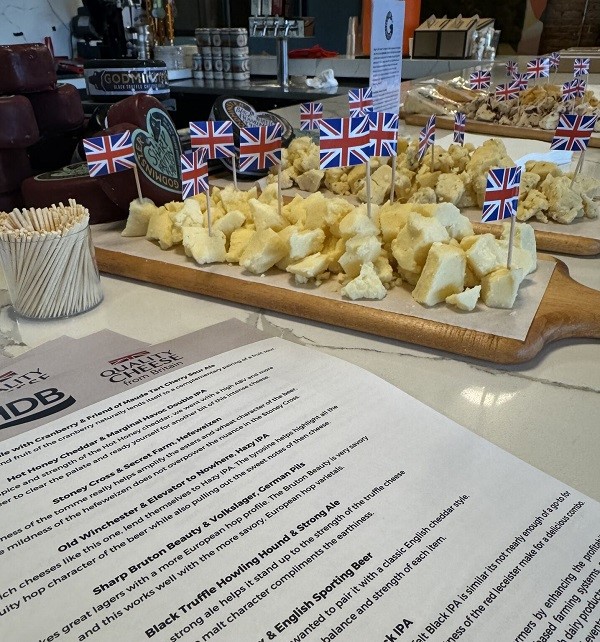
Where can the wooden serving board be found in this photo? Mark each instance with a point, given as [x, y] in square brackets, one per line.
[493, 129]
[568, 309]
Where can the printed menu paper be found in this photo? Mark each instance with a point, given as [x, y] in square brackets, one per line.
[271, 492]
[387, 28]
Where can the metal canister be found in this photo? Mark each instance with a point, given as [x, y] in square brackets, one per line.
[240, 51]
[227, 70]
[197, 67]
[240, 67]
[207, 67]
[217, 63]
[215, 37]
[226, 41]
[238, 37]
[202, 37]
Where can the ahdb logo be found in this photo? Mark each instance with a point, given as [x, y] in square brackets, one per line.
[39, 405]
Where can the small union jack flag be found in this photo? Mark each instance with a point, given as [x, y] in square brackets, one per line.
[579, 86]
[360, 101]
[569, 91]
[508, 91]
[426, 136]
[554, 59]
[573, 132]
[260, 147]
[344, 141]
[383, 133]
[538, 68]
[520, 81]
[460, 123]
[109, 154]
[512, 68]
[310, 115]
[501, 193]
[215, 137]
[480, 80]
[194, 173]
[581, 66]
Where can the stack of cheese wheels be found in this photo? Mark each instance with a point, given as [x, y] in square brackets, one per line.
[48, 261]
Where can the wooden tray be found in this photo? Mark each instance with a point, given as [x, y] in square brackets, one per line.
[568, 309]
[493, 129]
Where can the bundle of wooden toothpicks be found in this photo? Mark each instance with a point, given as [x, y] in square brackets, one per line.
[48, 261]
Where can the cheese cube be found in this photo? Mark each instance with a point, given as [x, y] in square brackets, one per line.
[269, 195]
[237, 243]
[466, 300]
[357, 223]
[499, 288]
[203, 247]
[359, 250]
[303, 243]
[383, 268]
[412, 244]
[337, 208]
[310, 181]
[160, 228]
[309, 267]
[295, 211]
[264, 249]
[457, 225]
[366, 285]
[139, 217]
[392, 218]
[449, 189]
[443, 274]
[482, 254]
[524, 238]
[266, 216]
[316, 211]
[231, 221]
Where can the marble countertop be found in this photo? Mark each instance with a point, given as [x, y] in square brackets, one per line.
[545, 412]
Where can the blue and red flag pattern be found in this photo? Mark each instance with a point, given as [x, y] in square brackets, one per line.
[344, 141]
[310, 115]
[508, 91]
[538, 68]
[194, 173]
[480, 80]
[581, 66]
[383, 133]
[512, 68]
[109, 154]
[573, 132]
[426, 137]
[460, 123]
[360, 101]
[260, 147]
[569, 91]
[501, 193]
[215, 137]
[554, 59]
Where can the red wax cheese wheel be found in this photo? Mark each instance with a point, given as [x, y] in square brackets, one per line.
[9, 201]
[26, 68]
[14, 168]
[74, 182]
[57, 110]
[18, 127]
[132, 110]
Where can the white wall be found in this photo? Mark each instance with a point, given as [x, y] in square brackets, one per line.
[36, 19]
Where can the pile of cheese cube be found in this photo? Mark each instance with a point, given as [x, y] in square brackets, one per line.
[455, 175]
[429, 247]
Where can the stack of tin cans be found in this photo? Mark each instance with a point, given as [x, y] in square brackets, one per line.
[222, 55]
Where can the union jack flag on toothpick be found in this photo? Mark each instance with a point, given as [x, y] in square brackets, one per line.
[215, 137]
[480, 80]
[426, 137]
[554, 59]
[360, 101]
[194, 173]
[573, 132]
[508, 91]
[512, 68]
[538, 68]
[581, 66]
[501, 193]
[569, 91]
[579, 86]
[344, 141]
[521, 81]
[460, 123]
[310, 115]
[109, 154]
[260, 147]
[383, 133]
